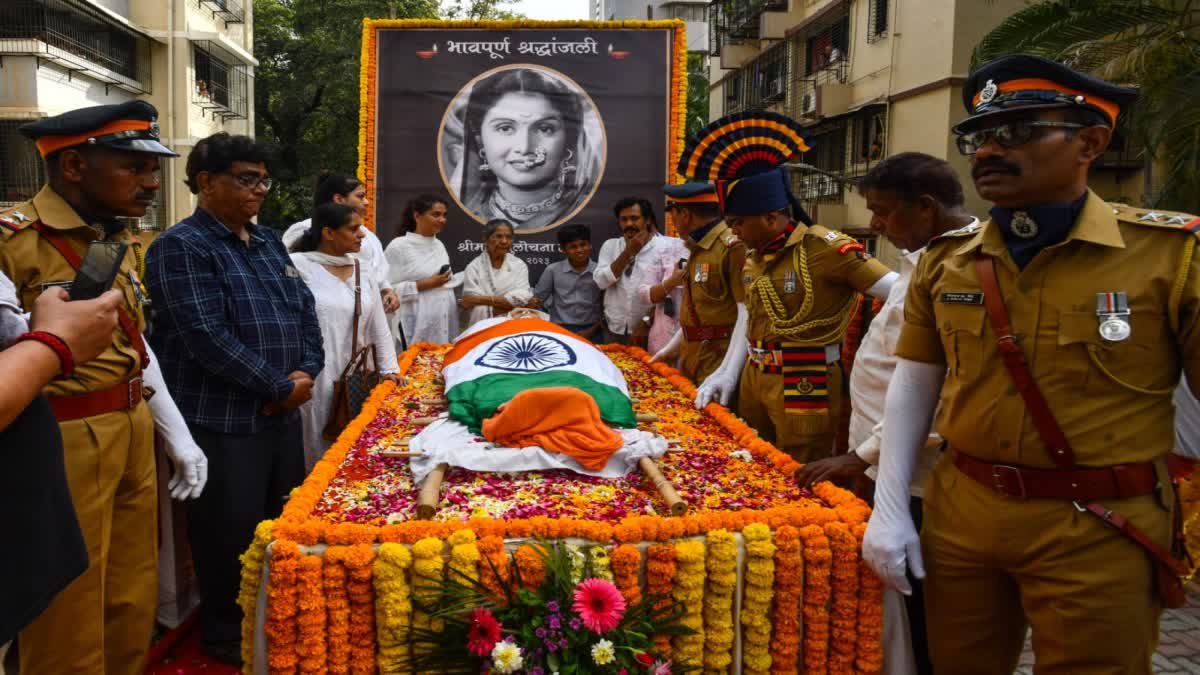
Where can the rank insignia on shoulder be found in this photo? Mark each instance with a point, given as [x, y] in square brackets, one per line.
[730, 239]
[851, 246]
[1172, 220]
[832, 235]
[960, 232]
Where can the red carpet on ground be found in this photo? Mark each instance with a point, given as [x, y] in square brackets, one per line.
[179, 653]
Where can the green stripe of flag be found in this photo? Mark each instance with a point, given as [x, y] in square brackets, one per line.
[473, 401]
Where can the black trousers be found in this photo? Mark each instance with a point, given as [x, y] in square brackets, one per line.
[249, 476]
[915, 604]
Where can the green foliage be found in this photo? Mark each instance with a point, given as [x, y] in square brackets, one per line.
[697, 94]
[480, 10]
[1154, 44]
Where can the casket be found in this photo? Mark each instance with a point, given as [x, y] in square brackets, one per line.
[769, 575]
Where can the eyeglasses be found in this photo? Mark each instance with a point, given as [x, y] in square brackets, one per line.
[251, 180]
[1007, 135]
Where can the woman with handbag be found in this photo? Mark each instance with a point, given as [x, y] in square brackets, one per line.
[358, 346]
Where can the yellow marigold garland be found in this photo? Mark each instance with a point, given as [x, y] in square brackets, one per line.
[870, 614]
[718, 600]
[311, 618]
[393, 605]
[601, 561]
[689, 594]
[464, 556]
[758, 592]
[359, 560]
[789, 569]
[281, 626]
[252, 568]
[844, 608]
[428, 566]
[337, 607]
[660, 578]
[626, 566]
[818, 562]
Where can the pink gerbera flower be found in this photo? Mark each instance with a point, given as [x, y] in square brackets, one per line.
[599, 604]
[484, 632]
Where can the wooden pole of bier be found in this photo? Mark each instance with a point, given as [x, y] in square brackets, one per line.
[431, 492]
[664, 486]
[647, 417]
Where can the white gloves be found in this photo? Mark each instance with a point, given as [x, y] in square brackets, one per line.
[671, 348]
[721, 384]
[891, 545]
[883, 287]
[191, 466]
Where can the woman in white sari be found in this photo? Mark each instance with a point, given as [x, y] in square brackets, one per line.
[496, 281]
[322, 257]
[421, 274]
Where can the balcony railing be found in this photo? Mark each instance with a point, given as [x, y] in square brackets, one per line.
[77, 37]
[229, 11]
[222, 85]
[736, 20]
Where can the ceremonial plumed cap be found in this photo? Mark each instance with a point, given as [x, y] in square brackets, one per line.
[691, 193]
[131, 126]
[1028, 82]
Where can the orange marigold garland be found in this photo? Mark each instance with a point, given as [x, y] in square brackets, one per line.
[660, 578]
[818, 562]
[758, 592]
[311, 619]
[281, 626]
[718, 600]
[870, 614]
[530, 565]
[393, 605]
[626, 567]
[359, 559]
[689, 595]
[337, 606]
[789, 569]
[494, 572]
[844, 608]
[252, 570]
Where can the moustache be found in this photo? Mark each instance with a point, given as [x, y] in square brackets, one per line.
[995, 164]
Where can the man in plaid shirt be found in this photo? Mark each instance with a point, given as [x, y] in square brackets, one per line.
[236, 331]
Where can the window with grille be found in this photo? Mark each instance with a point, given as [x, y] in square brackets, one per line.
[877, 20]
[829, 47]
[870, 127]
[222, 85]
[770, 73]
[21, 171]
[828, 142]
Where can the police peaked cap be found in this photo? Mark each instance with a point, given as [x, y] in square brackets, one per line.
[691, 193]
[1028, 82]
[131, 126]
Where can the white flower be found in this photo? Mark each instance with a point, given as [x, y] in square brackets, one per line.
[506, 657]
[603, 653]
[742, 454]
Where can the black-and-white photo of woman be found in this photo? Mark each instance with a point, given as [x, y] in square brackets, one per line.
[525, 144]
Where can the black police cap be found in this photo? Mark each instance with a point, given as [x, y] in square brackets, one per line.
[131, 126]
[694, 192]
[1028, 82]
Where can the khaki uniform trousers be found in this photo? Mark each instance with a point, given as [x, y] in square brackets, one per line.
[995, 565]
[805, 437]
[698, 360]
[102, 622]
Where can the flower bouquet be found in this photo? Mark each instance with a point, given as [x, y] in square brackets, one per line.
[571, 621]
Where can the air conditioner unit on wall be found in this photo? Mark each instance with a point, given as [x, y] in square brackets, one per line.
[808, 103]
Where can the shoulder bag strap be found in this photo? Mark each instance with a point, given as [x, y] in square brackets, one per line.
[75, 261]
[357, 309]
[1018, 368]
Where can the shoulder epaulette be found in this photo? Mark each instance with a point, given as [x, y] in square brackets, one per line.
[828, 235]
[730, 240]
[960, 232]
[1172, 220]
[14, 220]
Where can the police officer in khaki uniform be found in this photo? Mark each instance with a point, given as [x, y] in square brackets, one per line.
[714, 296]
[101, 165]
[1095, 309]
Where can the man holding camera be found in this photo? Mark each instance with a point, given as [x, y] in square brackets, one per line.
[101, 167]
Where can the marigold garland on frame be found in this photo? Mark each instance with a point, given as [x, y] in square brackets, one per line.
[844, 607]
[718, 600]
[758, 593]
[789, 568]
[393, 604]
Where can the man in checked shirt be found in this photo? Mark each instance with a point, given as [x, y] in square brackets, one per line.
[237, 330]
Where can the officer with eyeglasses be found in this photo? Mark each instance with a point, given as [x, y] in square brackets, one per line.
[1051, 340]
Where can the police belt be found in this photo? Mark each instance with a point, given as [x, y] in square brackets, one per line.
[124, 396]
[702, 333]
[1120, 481]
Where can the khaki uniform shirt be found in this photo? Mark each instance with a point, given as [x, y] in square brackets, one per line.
[713, 284]
[34, 265]
[814, 277]
[1112, 399]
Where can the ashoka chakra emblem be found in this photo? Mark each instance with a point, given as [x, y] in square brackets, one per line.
[527, 354]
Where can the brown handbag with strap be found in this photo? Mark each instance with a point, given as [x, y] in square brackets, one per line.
[1170, 565]
[357, 379]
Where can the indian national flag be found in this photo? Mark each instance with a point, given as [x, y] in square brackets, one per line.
[496, 359]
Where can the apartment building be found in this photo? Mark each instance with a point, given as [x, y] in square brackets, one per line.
[192, 59]
[694, 12]
[868, 78]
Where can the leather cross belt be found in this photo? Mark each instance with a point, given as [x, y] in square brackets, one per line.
[702, 333]
[124, 396]
[1120, 481]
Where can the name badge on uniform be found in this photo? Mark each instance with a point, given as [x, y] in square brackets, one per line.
[65, 285]
[290, 271]
[961, 298]
[1112, 311]
[789, 281]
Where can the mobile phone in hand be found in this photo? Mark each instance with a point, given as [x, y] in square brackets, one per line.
[682, 263]
[100, 266]
[445, 269]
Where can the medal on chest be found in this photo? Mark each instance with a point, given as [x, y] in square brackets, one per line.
[1112, 311]
[1023, 225]
[701, 274]
[789, 281]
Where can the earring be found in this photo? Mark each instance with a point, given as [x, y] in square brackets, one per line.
[483, 163]
[566, 166]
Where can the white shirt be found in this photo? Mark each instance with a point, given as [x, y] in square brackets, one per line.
[873, 367]
[1187, 421]
[622, 308]
[371, 254]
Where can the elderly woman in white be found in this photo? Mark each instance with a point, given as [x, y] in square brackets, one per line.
[496, 281]
[322, 256]
[421, 274]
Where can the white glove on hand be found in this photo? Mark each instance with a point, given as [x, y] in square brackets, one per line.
[191, 466]
[671, 348]
[891, 545]
[723, 381]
